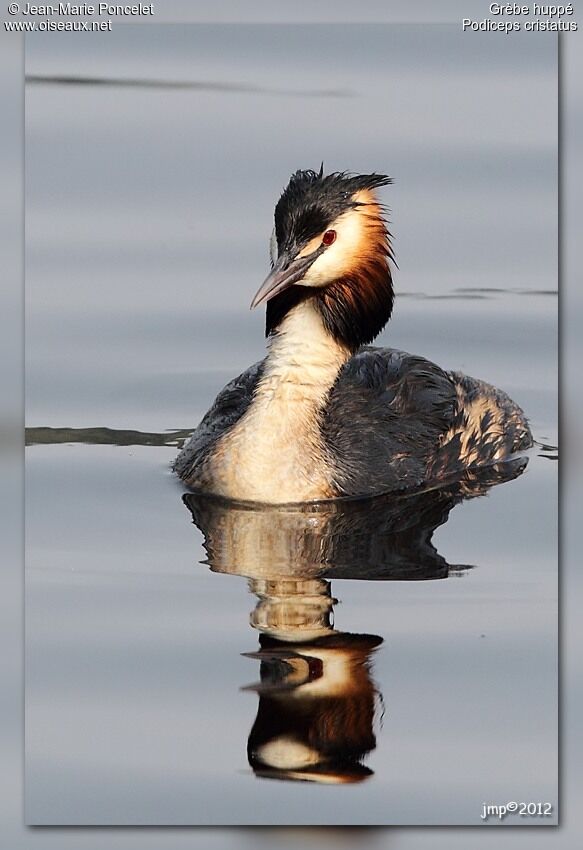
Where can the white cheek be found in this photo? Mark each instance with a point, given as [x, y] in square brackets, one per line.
[326, 268]
[339, 258]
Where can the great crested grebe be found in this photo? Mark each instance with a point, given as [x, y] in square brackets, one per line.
[323, 416]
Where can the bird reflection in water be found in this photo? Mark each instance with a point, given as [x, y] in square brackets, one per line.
[317, 697]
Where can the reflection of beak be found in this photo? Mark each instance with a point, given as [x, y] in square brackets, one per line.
[284, 274]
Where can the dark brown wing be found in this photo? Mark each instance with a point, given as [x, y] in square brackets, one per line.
[396, 421]
[386, 416]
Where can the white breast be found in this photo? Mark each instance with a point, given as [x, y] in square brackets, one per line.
[275, 453]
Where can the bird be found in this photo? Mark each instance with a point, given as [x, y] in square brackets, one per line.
[324, 415]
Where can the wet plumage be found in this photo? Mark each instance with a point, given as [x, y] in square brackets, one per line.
[324, 415]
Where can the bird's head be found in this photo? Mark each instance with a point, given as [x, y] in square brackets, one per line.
[330, 243]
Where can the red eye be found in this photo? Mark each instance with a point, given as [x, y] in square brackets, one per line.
[329, 237]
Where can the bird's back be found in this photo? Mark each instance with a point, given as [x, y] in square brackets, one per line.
[395, 421]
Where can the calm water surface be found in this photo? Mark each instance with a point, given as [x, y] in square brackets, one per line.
[190, 662]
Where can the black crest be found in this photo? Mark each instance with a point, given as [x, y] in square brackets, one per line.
[312, 200]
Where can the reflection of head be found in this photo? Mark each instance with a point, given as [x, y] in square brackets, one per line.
[317, 701]
[315, 719]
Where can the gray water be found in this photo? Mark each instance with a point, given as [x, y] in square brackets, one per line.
[149, 209]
